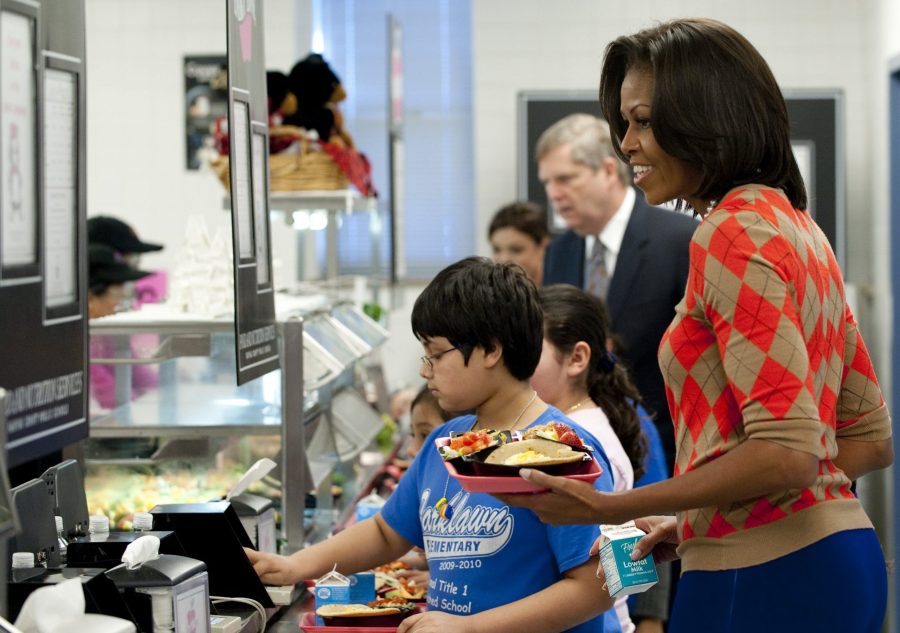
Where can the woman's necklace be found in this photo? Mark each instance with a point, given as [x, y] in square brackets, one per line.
[577, 405]
[443, 507]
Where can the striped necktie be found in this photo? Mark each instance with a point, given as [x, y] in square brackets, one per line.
[597, 282]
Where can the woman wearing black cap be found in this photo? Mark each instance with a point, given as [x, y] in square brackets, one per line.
[120, 237]
[106, 280]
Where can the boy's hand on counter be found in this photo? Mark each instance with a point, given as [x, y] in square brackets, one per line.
[436, 622]
[272, 569]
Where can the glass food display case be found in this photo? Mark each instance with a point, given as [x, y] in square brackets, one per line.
[169, 424]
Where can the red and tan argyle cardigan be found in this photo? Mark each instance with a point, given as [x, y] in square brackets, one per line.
[763, 345]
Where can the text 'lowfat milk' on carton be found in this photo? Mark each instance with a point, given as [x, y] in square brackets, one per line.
[623, 575]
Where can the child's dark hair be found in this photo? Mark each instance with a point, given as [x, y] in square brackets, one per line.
[572, 315]
[425, 397]
[477, 303]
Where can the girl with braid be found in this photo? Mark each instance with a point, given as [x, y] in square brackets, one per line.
[579, 376]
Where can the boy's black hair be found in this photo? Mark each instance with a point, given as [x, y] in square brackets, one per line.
[477, 303]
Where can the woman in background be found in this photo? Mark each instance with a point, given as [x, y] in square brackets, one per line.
[518, 233]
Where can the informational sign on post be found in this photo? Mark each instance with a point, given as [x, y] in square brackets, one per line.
[18, 191]
[254, 301]
[60, 187]
[43, 328]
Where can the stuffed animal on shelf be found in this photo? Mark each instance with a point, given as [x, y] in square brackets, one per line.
[318, 91]
[309, 149]
[282, 103]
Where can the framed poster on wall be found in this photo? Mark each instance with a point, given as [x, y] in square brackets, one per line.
[205, 101]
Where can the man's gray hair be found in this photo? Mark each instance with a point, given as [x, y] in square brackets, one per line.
[587, 136]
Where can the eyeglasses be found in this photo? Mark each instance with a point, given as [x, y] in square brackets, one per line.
[429, 360]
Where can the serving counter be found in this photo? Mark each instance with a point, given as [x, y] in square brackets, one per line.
[169, 424]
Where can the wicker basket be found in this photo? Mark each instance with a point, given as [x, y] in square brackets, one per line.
[308, 170]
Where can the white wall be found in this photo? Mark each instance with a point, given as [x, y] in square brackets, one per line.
[135, 113]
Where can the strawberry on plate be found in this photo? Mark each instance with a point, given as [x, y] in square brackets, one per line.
[557, 432]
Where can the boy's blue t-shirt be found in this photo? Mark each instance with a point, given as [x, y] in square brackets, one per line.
[488, 554]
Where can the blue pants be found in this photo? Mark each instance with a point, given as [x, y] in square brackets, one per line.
[838, 584]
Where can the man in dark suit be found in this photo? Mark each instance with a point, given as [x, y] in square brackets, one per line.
[643, 250]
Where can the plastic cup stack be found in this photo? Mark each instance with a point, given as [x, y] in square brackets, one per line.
[22, 560]
[143, 522]
[99, 524]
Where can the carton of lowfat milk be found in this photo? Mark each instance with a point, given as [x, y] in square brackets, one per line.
[335, 588]
[623, 575]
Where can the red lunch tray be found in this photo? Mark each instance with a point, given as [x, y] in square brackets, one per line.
[308, 625]
[509, 485]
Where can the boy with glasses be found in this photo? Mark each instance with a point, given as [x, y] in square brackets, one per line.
[493, 567]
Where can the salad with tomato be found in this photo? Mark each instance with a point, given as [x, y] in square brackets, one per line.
[470, 442]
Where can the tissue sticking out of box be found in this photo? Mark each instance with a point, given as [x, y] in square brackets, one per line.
[140, 551]
[256, 472]
[203, 277]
